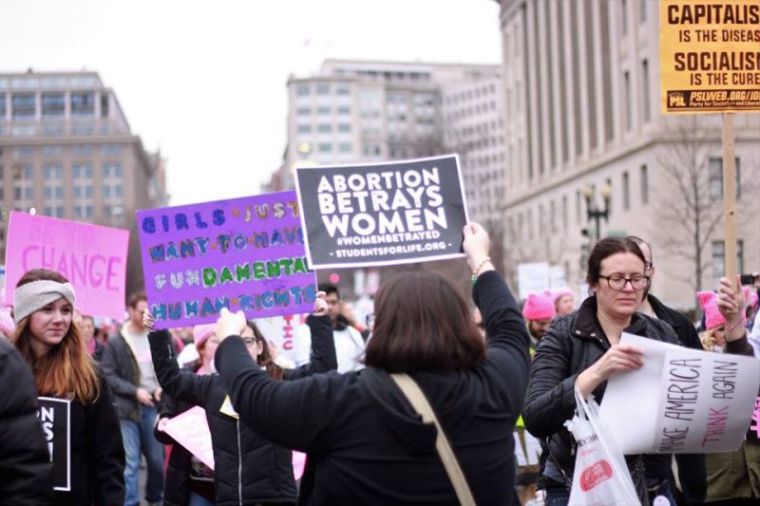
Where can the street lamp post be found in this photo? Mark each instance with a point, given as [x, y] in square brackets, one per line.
[594, 213]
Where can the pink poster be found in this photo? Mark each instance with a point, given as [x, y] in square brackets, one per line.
[190, 429]
[92, 257]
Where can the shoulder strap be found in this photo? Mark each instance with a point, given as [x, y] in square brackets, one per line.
[420, 403]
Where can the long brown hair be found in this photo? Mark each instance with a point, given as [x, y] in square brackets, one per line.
[67, 368]
[422, 323]
[264, 359]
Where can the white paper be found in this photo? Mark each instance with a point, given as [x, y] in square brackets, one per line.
[682, 400]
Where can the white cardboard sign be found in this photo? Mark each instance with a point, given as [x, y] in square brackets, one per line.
[682, 400]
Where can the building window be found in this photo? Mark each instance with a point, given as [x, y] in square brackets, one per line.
[719, 257]
[626, 192]
[552, 216]
[83, 192]
[644, 181]
[83, 103]
[53, 193]
[23, 172]
[344, 127]
[53, 104]
[564, 213]
[344, 109]
[113, 191]
[304, 129]
[104, 106]
[111, 150]
[3, 109]
[81, 150]
[82, 171]
[645, 88]
[303, 111]
[324, 147]
[643, 11]
[51, 151]
[302, 90]
[716, 177]
[84, 212]
[112, 170]
[323, 89]
[323, 110]
[345, 147]
[627, 92]
[54, 211]
[343, 90]
[23, 105]
[52, 172]
[324, 128]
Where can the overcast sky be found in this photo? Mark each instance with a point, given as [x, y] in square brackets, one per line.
[204, 81]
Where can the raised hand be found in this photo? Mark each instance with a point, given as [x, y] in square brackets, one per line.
[229, 324]
[320, 305]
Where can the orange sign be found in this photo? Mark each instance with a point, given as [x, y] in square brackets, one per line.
[709, 56]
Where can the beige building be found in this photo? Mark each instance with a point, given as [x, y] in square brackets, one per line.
[581, 87]
[66, 151]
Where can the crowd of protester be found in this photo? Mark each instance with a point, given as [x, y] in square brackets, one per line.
[488, 368]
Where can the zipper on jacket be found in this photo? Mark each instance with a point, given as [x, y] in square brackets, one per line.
[240, 464]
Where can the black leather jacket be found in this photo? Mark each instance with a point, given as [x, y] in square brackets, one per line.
[572, 344]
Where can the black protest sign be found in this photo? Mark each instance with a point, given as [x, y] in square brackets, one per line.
[55, 417]
[382, 214]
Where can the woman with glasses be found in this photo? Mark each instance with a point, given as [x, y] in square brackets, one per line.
[248, 469]
[583, 350]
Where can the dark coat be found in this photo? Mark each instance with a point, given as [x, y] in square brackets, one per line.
[365, 443]
[178, 484]
[249, 469]
[123, 376]
[97, 454]
[26, 475]
[571, 345]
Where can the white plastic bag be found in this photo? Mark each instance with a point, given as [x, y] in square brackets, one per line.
[601, 477]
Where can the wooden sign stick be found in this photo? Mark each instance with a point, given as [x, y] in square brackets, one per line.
[729, 197]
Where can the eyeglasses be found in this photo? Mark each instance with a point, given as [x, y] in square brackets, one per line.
[618, 282]
[249, 340]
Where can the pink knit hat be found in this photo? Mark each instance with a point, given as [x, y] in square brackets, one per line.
[558, 294]
[538, 307]
[201, 333]
[708, 301]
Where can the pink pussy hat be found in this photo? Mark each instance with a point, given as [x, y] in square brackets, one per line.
[708, 301]
[201, 333]
[558, 294]
[539, 307]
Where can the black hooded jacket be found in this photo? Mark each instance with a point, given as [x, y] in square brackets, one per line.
[26, 475]
[249, 469]
[365, 443]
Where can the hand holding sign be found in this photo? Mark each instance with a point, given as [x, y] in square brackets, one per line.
[731, 306]
[476, 244]
[619, 358]
[320, 305]
[230, 324]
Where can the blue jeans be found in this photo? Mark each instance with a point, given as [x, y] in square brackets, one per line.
[138, 438]
[198, 500]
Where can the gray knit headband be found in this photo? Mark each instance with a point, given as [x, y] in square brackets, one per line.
[32, 296]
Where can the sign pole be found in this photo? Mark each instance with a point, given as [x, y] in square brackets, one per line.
[729, 197]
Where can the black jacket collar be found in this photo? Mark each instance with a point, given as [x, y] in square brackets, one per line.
[587, 325]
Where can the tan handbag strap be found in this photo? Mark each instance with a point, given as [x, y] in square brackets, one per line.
[420, 403]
